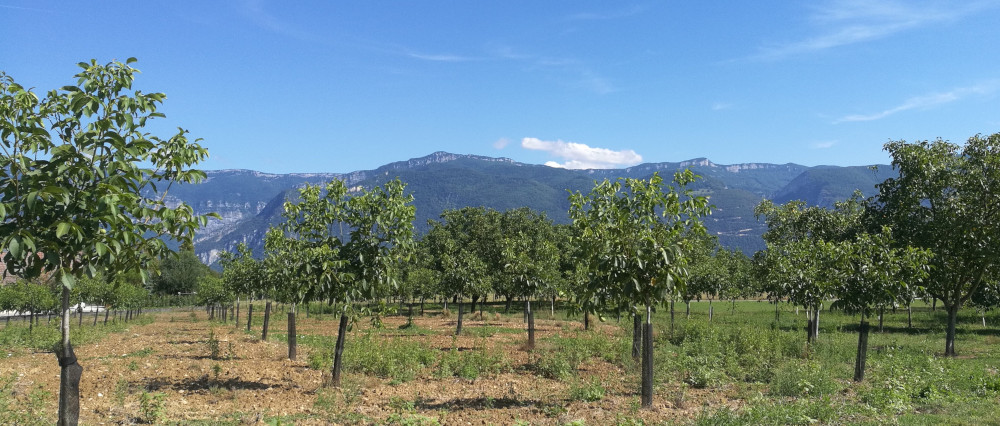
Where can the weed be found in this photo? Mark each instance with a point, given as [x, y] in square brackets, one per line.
[551, 409]
[470, 364]
[151, 406]
[121, 391]
[396, 359]
[401, 405]
[589, 391]
[411, 420]
[213, 345]
[802, 378]
[554, 365]
[12, 411]
[142, 353]
[623, 420]
[132, 365]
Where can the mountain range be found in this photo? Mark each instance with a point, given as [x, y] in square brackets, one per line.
[250, 201]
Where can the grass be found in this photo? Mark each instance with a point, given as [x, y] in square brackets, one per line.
[747, 355]
[799, 384]
[44, 336]
[396, 359]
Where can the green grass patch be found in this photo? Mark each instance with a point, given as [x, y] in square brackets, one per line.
[397, 359]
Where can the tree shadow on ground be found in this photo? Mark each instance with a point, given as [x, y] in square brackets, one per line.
[194, 384]
[481, 403]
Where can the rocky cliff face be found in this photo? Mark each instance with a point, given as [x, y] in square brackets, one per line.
[248, 202]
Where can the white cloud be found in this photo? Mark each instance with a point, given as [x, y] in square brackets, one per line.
[824, 144]
[845, 22]
[925, 101]
[581, 156]
[719, 106]
[501, 143]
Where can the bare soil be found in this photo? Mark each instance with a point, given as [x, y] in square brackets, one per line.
[254, 381]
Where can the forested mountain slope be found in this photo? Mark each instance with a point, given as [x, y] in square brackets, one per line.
[250, 201]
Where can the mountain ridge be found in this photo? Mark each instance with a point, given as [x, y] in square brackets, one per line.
[249, 201]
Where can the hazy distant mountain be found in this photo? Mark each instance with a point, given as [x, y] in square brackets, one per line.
[250, 201]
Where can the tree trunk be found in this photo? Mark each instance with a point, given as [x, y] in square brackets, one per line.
[292, 341]
[711, 311]
[552, 308]
[809, 327]
[338, 352]
[237, 315]
[95, 317]
[949, 340]
[531, 325]
[687, 312]
[636, 336]
[107, 312]
[458, 327]
[881, 316]
[79, 314]
[816, 321]
[647, 359]
[249, 315]
[472, 310]
[671, 318]
[859, 363]
[933, 304]
[586, 320]
[267, 319]
[69, 371]
[909, 316]
[506, 309]
[421, 305]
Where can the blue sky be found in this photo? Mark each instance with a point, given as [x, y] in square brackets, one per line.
[312, 86]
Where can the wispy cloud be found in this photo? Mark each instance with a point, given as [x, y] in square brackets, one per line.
[844, 22]
[582, 156]
[594, 82]
[607, 15]
[32, 9]
[926, 101]
[441, 57]
[255, 11]
[824, 144]
[719, 106]
[565, 71]
[501, 143]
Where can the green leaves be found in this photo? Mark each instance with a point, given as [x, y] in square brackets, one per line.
[315, 258]
[72, 193]
[632, 233]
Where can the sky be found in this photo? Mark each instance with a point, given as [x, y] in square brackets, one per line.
[331, 86]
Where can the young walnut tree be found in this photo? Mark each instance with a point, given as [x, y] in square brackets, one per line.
[82, 188]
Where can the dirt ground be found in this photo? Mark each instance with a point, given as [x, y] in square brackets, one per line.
[253, 381]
